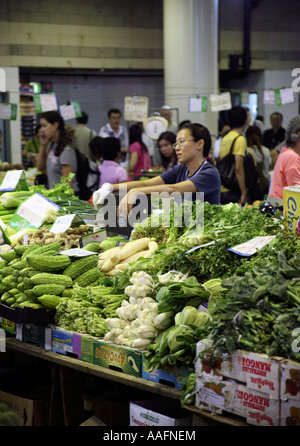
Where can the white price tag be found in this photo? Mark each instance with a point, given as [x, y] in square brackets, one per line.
[77, 252]
[252, 246]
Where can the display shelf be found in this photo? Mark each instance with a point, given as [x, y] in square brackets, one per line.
[118, 377]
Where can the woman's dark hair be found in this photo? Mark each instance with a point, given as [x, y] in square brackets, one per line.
[171, 138]
[95, 147]
[199, 131]
[135, 135]
[66, 133]
[109, 148]
[254, 138]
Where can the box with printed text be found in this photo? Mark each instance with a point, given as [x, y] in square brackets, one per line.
[66, 342]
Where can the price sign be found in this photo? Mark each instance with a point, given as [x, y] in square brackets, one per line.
[45, 102]
[64, 222]
[136, 108]
[8, 111]
[14, 180]
[77, 252]
[70, 111]
[252, 246]
[219, 102]
[198, 104]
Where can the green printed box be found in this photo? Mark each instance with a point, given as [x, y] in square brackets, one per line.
[87, 349]
[118, 357]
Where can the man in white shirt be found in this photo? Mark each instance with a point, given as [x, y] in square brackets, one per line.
[114, 128]
[83, 134]
[165, 112]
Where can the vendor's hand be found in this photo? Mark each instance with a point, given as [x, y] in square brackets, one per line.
[125, 205]
[100, 195]
[243, 199]
[43, 140]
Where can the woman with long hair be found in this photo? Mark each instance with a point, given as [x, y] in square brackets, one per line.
[139, 154]
[57, 155]
[193, 173]
[165, 143]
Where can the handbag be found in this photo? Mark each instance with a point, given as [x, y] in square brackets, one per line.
[226, 168]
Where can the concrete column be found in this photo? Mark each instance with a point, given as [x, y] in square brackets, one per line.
[191, 56]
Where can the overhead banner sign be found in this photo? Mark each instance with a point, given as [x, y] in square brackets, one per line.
[136, 108]
[220, 102]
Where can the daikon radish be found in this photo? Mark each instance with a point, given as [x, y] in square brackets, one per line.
[134, 246]
[109, 264]
[152, 246]
[106, 254]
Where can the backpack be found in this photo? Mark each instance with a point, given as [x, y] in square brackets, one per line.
[87, 176]
[226, 168]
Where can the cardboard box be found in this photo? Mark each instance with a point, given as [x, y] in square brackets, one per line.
[31, 412]
[118, 357]
[87, 349]
[291, 210]
[290, 413]
[7, 325]
[218, 396]
[35, 334]
[169, 375]
[257, 371]
[66, 342]
[158, 412]
[290, 380]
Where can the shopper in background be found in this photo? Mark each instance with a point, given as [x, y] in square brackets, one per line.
[114, 129]
[59, 158]
[276, 134]
[139, 153]
[83, 134]
[287, 168]
[192, 174]
[4, 166]
[223, 130]
[110, 170]
[261, 154]
[165, 143]
[95, 149]
[31, 148]
[237, 119]
[166, 112]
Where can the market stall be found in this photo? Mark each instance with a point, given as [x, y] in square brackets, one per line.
[212, 310]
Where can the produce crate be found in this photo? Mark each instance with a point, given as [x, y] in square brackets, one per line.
[222, 396]
[290, 413]
[257, 371]
[34, 334]
[87, 348]
[66, 342]
[39, 316]
[7, 325]
[158, 412]
[168, 375]
[118, 357]
[290, 380]
[31, 412]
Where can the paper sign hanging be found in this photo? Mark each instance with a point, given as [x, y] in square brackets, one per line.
[269, 97]
[64, 222]
[252, 246]
[219, 102]
[14, 180]
[244, 97]
[70, 111]
[32, 212]
[44, 102]
[8, 111]
[136, 108]
[198, 104]
[284, 96]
